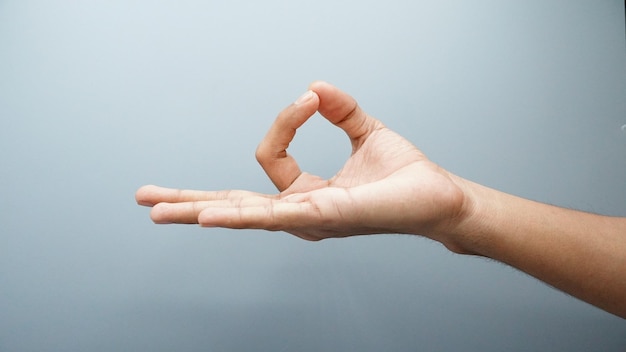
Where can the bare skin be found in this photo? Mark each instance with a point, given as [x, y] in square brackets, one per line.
[389, 186]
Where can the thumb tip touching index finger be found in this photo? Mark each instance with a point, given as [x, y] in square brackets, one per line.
[334, 104]
[341, 109]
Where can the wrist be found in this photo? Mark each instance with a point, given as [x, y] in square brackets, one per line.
[465, 234]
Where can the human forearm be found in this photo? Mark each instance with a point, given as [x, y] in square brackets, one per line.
[579, 253]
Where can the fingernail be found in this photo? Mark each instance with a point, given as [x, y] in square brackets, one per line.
[304, 98]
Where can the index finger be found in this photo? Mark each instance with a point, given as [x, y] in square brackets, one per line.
[272, 154]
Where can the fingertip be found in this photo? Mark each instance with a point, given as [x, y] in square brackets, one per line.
[323, 88]
[305, 98]
[165, 213]
[158, 213]
[142, 195]
[334, 104]
[202, 219]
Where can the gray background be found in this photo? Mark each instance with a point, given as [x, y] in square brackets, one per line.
[100, 97]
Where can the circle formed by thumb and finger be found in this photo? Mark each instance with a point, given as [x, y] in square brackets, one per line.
[335, 105]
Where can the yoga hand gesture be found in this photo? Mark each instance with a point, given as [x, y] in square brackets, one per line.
[386, 186]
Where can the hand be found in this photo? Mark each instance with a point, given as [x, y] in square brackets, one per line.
[386, 186]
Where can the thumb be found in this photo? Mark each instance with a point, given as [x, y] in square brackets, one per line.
[342, 110]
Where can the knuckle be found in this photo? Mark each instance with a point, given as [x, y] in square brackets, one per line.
[262, 153]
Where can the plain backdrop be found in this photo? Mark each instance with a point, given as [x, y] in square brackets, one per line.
[100, 97]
